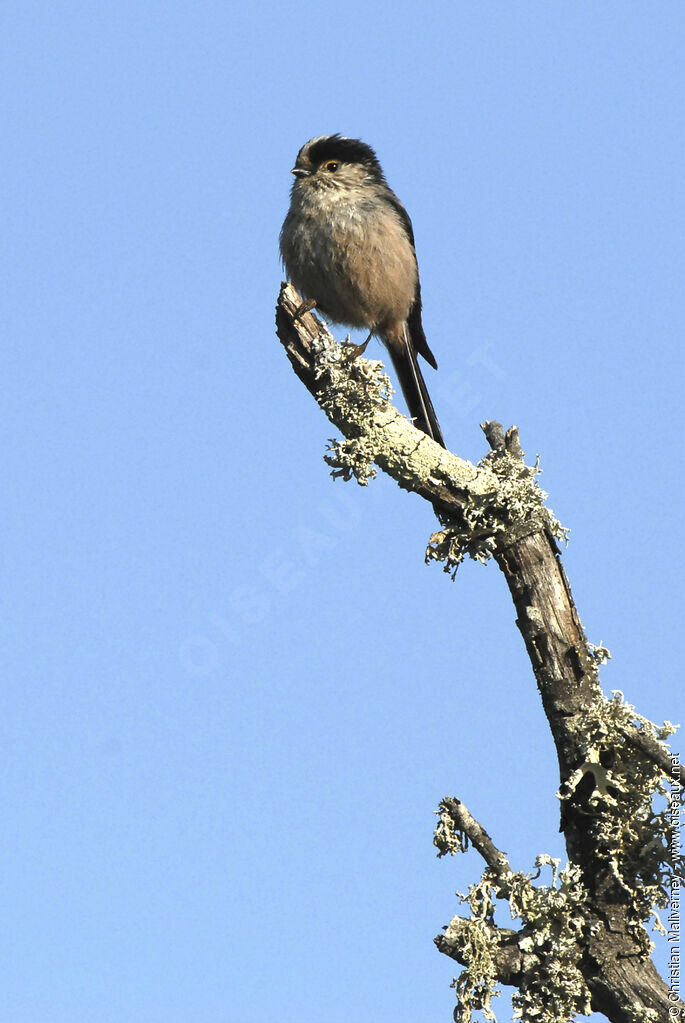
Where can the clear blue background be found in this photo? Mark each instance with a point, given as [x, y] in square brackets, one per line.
[232, 693]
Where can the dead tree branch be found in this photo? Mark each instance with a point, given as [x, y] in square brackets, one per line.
[611, 760]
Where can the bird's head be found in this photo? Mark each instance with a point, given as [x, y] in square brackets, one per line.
[336, 162]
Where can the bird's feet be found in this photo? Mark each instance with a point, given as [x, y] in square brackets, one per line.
[356, 351]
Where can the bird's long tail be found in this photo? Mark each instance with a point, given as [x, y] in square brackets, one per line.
[404, 360]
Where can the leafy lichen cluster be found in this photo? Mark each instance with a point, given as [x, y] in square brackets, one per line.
[350, 459]
[628, 805]
[555, 989]
[339, 370]
[551, 987]
[515, 506]
[477, 985]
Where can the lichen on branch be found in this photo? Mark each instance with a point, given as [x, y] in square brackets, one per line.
[515, 508]
[582, 941]
[548, 952]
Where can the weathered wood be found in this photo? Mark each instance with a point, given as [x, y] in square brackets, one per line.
[496, 508]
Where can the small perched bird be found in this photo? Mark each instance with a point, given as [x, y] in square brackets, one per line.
[347, 245]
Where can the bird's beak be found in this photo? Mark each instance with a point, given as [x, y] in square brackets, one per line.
[300, 172]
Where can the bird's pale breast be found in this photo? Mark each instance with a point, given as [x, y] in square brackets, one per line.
[352, 256]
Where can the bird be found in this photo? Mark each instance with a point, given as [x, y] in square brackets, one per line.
[347, 244]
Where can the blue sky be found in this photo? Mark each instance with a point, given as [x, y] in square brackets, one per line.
[233, 693]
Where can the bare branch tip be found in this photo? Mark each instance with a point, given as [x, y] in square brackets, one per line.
[494, 433]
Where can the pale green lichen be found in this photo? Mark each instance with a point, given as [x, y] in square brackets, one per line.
[516, 505]
[498, 494]
[352, 458]
[448, 839]
[477, 985]
[631, 822]
[638, 1014]
[338, 366]
[631, 838]
[553, 989]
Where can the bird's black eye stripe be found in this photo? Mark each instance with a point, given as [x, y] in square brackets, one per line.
[332, 165]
